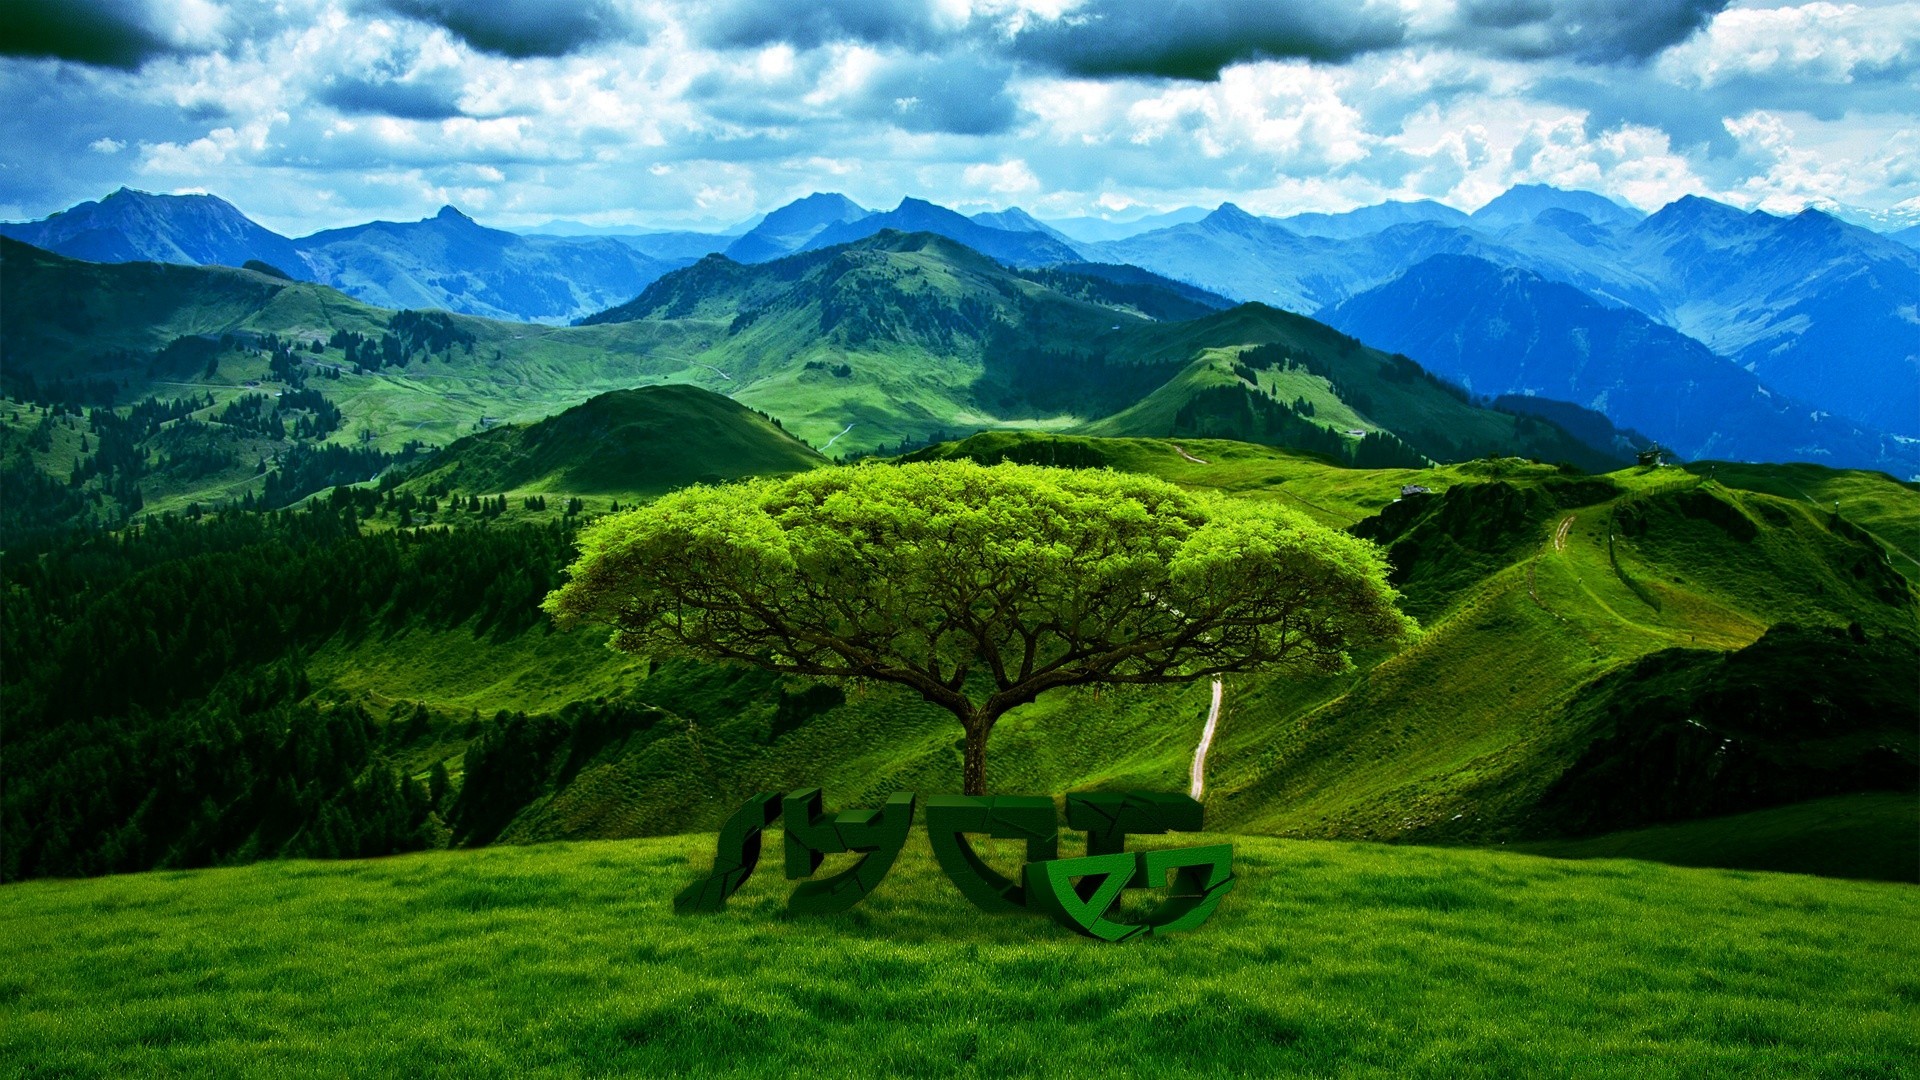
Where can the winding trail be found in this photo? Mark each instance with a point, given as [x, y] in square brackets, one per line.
[1560, 534]
[1199, 773]
[1182, 451]
[836, 438]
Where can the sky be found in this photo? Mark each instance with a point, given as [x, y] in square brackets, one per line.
[310, 114]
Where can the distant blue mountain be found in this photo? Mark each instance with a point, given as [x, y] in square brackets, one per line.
[1909, 236]
[676, 246]
[1014, 219]
[1093, 230]
[1239, 255]
[447, 261]
[1522, 204]
[787, 230]
[918, 215]
[1372, 219]
[667, 244]
[134, 226]
[1504, 331]
[1818, 309]
[450, 261]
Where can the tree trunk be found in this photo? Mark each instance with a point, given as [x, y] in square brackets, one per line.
[974, 773]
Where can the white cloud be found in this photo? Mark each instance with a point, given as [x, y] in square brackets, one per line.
[316, 113]
[1007, 178]
[1824, 42]
[1800, 161]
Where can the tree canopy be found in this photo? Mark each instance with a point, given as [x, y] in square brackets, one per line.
[981, 587]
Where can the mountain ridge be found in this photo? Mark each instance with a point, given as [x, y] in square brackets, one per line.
[1504, 330]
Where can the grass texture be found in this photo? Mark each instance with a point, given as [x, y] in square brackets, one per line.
[1328, 959]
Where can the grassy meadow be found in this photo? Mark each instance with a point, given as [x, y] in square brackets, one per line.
[1328, 958]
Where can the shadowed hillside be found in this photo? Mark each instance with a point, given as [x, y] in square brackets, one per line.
[629, 442]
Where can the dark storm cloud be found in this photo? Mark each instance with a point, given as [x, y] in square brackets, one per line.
[960, 95]
[419, 100]
[1194, 39]
[1632, 97]
[753, 23]
[105, 33]
[520, 28]
[1590, 31]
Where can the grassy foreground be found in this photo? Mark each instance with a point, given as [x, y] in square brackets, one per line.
[1328, 959]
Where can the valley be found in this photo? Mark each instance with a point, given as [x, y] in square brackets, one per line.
[282, 420]
[721, 538]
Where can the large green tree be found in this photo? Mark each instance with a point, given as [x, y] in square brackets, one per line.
[980, 587]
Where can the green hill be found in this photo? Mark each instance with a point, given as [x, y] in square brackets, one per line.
[628, 442]
[904, 334]
[1326, 959]
[1589, 642]
[262, 389]
[1298, 384]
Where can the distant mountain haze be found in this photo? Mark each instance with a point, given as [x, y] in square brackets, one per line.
[134, 226]
[1820, 311]
[1526, 202]
[1371, 219]
[450, 261]
[1016, 248]
[1014, 219]
[1500, 331]
[447, 261]
[786, 230]
[1093, 230]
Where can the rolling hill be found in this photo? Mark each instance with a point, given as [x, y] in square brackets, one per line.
[931, 324]
[1584, 636]
[628, 442]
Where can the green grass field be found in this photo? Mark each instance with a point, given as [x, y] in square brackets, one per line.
[1327, 959]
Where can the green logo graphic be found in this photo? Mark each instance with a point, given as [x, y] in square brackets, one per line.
[1081, 894]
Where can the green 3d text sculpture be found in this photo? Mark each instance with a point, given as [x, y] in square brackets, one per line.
[1080, 893]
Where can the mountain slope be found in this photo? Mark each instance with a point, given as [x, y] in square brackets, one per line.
[134, 226]
[918, 320]
[629, 442]
[1263, 375]
[1506, 331]
[449, 261]
[1820, 310]
[1372, 219]
[1525, 203]
[785, 230]
[1014, 219]
[1022, 247]
[71, 320]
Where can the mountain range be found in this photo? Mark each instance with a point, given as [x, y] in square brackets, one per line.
[1505, 331]
[250, 384]
[1820, 310]
[1781, 298]
[1598, 652]
[448, 261]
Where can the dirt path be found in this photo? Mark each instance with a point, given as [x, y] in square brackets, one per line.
[1560, 534]
[1182, 451]
[836, 438]
[1198, 776]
